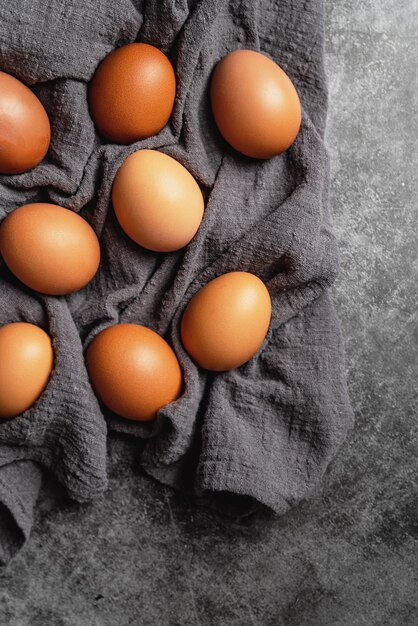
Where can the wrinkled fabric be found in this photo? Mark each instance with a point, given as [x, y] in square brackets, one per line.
[264, 432]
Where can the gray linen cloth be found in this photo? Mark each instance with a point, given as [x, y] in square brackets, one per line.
[265, 432]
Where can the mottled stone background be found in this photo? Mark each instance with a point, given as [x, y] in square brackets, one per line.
[144, 555]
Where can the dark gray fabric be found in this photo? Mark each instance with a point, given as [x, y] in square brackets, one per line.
[266, 431]
[19, 486]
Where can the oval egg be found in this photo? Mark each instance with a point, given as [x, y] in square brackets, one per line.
[254, 103]
[133, 371]
[226, 322]
[131, 95]
[26, 361]
[50, 249]
[157, 201]
[25, 132]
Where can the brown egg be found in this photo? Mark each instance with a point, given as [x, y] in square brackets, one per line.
[133, 371]
[24, 127]
[50, 249]
[157, 201]
[131, 94]
[226, 322]
[255, 104]
[26, 361]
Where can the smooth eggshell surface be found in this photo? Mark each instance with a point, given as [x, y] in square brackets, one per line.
[131, 95]
[26, 361]
[157, 201]
[133, 371]
[50, 249]
[25, 132]
[255, 104]
[226, 322]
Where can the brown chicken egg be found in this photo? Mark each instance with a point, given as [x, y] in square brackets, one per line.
[255, 104]
[131, 94]
[25, 132]
[26, 361]
[157, 201]
[133, 371]
[50, 249]
[226, 322]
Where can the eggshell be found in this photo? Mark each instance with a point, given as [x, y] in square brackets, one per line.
[26, 361]
[133, 371]
[157, 201]
[255, 105]
[50, 249]
[226, 322]
[131, 94]
[25, 132]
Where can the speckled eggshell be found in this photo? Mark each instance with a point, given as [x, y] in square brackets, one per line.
[26, 362]
[131, 95]
[50, 249]
[25, 132]
[255, 105]
[226, 322]
[133, 371]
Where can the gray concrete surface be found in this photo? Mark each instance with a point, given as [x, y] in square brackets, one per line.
[143, 555]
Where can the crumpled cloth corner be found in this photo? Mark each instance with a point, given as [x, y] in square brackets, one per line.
[260, 435]
[20, 482]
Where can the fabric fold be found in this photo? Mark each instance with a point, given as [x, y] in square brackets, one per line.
[64, 431]
[20, 483]
[269, 429]
[261, 435]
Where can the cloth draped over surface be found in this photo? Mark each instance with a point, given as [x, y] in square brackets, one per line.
[266, 431]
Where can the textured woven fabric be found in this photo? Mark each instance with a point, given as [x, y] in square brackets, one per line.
[266, 431]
